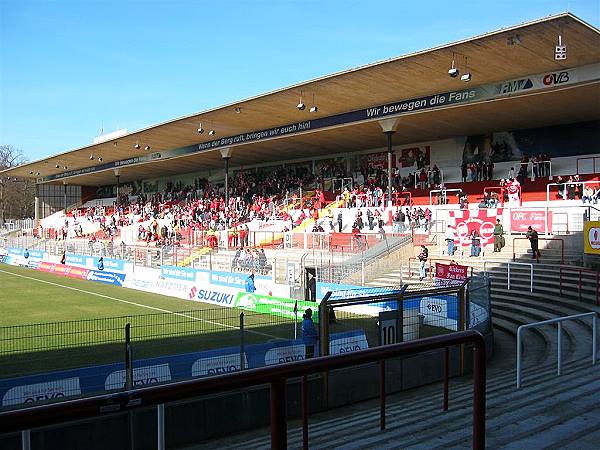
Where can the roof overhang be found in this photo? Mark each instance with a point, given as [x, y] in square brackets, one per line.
[510, 54]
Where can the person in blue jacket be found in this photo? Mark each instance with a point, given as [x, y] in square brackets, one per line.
[101, 263]
[309, 333]
[250, 283]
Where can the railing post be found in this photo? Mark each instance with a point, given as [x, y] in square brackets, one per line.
[278, 416]
[446, 375]
[26, 440]
[479, 395]
[594, 338]
[242, 343]
[519, 357]
[304, 406]
[560, 269]
[382, 394]
[531, 281]
[362, 273]
[128, 358]
[558, 370]
[160, 429]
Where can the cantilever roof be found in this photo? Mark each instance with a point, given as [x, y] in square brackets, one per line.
[494, 57]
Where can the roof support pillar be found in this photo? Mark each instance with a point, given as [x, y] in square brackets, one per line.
[226, 155]
[389, 128]
[36, 209]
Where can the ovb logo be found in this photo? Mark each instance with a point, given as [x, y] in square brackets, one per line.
[556, 78]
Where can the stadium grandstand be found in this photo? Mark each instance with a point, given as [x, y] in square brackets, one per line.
[429, 209]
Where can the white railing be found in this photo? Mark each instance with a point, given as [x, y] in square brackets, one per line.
[565, 184]
[444, 193]
[558, 320]
[529, 173]
[519, 264]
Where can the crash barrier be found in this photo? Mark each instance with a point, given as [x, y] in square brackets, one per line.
[25, 420]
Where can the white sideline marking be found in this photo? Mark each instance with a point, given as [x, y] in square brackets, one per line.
[135, 304]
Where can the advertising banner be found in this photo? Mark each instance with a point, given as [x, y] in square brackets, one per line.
[464, 221]
[49, 390]
[275, 306]
[215, 365]
[377, 160]
[96, 379]
[591, 237]
[142, 376]
[410, 156]
[521, 220]
[454, 272]
[106, 277]
[63, 269]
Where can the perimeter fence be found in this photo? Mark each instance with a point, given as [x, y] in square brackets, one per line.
[48, 361]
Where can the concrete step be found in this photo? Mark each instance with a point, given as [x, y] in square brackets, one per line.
[413, 420]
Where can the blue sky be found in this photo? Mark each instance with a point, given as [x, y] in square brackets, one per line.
[68, 68]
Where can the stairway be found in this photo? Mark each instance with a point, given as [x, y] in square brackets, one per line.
[549, 411]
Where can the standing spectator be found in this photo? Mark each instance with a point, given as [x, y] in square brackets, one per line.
[498, 236]
[490, 169]
[450, 236]
[423, 255]
[309, 333]
[511, 173]
[422, 179]
[463, 172]
[475, 243]
[532, 235]
[339, 221]
[536, 167]
[250, 287]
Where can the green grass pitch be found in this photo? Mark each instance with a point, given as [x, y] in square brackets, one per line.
[161, 325]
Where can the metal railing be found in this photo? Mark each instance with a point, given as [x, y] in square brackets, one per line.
[562, 247]
[565, 184]
[558, 320]
[444, 193]
[520, 264]
[581, 271]
[23, 420]
[431, 271]
[593, 158]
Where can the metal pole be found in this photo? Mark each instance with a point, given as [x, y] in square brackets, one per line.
[362, 273]
[558, 371]
[304, 406]
[242, 343]
[128, 358]
[479, 396]
[278, 416]
[226, 182]
[160, 417]
[446, 370]
[382, 394]
[26, 440]
[389, 149]
[518, 357]
[531, 287]
[594, 339]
